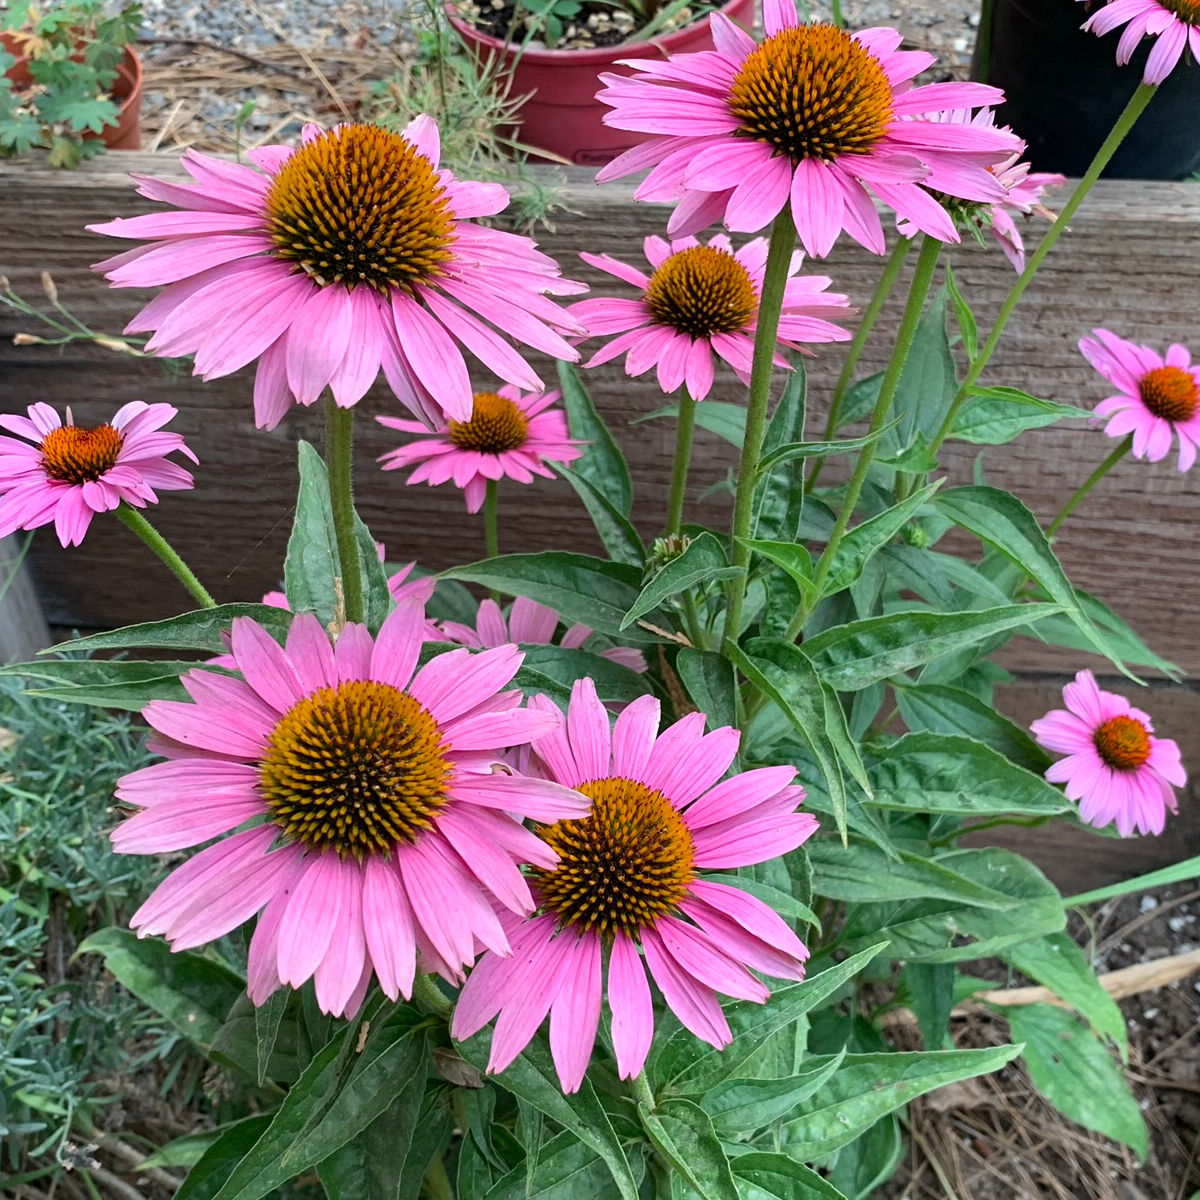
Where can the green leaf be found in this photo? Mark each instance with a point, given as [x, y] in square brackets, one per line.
[740, 1107]
[683, 1134]
[813, 449]
[1056, 962]
[784, 903]
[192, 992]
[784, 673]
[727, 421]
[204, 1180]
[238, 1043]
[942, 709]
[945, 773]
[341, 1092]
[312, 564]
[870, 1160]
[602, 464]
[1003, 522]
[1078, 1074]
[107, 683]
[1176, 873]
[869, 1086]
[779, 491]
[711, 683]
[584, 589]
[683, 1065]
[703, 561]
[869, 537]
[929, 988]
[615, 683]
[532, 1078]
[618, 536]
[562, 1169]
[791, 557]
[267, 1018]
[928, 382]
[199, 630]
[862, 874]
[942, 930]
[183, 1151]
[860, 653]
[995, 416]
[966, 318]
[762, 1176]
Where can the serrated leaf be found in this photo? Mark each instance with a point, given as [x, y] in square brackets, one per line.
[944, 773]
[602, 463]
[704, 560]
[1078, 1074]
[860, 653]
[869, 1086]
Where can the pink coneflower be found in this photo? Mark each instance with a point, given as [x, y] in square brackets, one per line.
[1156, 397]
[630, 877]
[812, 117]
[1023, 190]
[331, 261]
[371, 824]
[701, 300]
[506, 434]
[1175, 23]
[531, 624]
[68, 473]
[1115, 767]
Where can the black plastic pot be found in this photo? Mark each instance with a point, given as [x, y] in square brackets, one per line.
[1065, 91]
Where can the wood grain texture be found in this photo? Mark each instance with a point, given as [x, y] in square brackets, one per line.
[1130, 262]
[23, 629]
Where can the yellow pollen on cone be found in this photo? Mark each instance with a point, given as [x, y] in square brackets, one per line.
[702, 291]
[75, 455]
[496, 425]
[1123, 743]
[1170, 393]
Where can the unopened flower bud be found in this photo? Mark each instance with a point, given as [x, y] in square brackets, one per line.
[49, 288]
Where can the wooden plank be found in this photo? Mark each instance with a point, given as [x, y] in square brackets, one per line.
[23, 629]
[1130, 263]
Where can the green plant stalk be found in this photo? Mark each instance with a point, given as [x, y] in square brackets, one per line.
[429, 998]
[1090, 482]
[491, 519]
[922, 281]
[339, 453]
[1125, 122]
[685, 430]
[639, 1089]
[133, 520]
[770, 305]
[436, 1184]
[887, 281]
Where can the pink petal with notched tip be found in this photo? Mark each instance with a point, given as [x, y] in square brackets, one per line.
[307, 927]
[520, 1018]
[744, 843]
[704, 962]
[272, 399]
[692, 1002]
[337, 975]
[539, 799]
[631, 1007]
[454, 683]
[489, 861]
[398, 644]
[736, 796]
[388, 928]
[575, 1012]
[265, 665]
[588, 731]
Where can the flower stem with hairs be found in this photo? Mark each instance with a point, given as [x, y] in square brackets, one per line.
[779, 257]
[887, 282]
[133, 520]
[339, 451]
[1090, 482]
[919, 289]
[684, 432]
[491, 519]
[1125, 122]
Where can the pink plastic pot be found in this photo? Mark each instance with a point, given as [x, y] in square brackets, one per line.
[562, 116]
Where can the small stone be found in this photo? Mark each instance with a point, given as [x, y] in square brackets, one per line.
[1148, 904]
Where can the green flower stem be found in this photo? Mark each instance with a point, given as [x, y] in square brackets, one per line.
[132, 519]
[429, 998]
[639, 1086]
[1125, 122]
[922, 281]
[770, 304]
[887, 282]
[339, 454]
[436, 1184]
[639, 1089]
[1090, 482]
[491, 519]
[685, 429]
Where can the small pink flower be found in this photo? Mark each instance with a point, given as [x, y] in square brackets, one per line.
[813, 118]
[327, 263]
[1175, 23]
[371, 814]
[628, 894]
[1022, 191]
[506, 434]
[700, 301]
[69, 472]
[1115, 767]
[531, 624]
[1156, 397]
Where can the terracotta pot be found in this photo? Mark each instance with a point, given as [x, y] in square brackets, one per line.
[126, 134]
[562, 115]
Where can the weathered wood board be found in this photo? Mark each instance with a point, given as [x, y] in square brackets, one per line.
[1131, 262]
